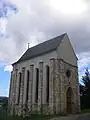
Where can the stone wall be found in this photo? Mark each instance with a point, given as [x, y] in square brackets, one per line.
[58, 86]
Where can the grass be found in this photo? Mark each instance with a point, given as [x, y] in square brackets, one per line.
[4, 116]
[35, 117]
[85, 111]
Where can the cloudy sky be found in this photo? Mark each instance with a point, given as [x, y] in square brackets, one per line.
[34, 21]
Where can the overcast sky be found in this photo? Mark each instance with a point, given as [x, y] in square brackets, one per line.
[38, 20]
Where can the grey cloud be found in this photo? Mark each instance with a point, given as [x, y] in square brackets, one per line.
[42, 22]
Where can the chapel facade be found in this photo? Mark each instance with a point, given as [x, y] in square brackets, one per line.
[45, 80]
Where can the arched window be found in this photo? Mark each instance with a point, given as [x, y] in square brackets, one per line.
[20, 78]
[28, 77]
[37, 81]
[47, 79]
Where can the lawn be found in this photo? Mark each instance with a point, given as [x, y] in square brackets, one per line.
[4, 116]
[85, 111]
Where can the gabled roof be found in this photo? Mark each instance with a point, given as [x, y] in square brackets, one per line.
[42, 48]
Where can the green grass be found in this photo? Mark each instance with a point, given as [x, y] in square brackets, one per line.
[4, 116]
[85, 111]
[35, 117]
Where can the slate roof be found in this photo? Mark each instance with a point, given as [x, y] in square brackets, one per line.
[42, 48]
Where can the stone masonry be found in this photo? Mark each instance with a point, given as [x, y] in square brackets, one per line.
[60, 81]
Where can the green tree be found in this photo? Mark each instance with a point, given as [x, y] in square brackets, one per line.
[85, 90]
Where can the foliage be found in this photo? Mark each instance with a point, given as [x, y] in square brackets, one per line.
[4, 103]
[85, 91]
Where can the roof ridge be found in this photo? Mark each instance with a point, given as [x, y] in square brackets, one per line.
[47, 40]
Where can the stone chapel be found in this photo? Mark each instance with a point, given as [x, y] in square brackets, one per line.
[45, 79]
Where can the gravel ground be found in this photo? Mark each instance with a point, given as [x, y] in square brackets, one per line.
[74, 117]
[84, 117]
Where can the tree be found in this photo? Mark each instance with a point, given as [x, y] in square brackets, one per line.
[85, 90]
[4, 103]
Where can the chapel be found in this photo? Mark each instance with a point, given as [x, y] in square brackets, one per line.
[45, 79]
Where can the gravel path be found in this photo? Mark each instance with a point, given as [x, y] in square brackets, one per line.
[84, 117]
[74, 117]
